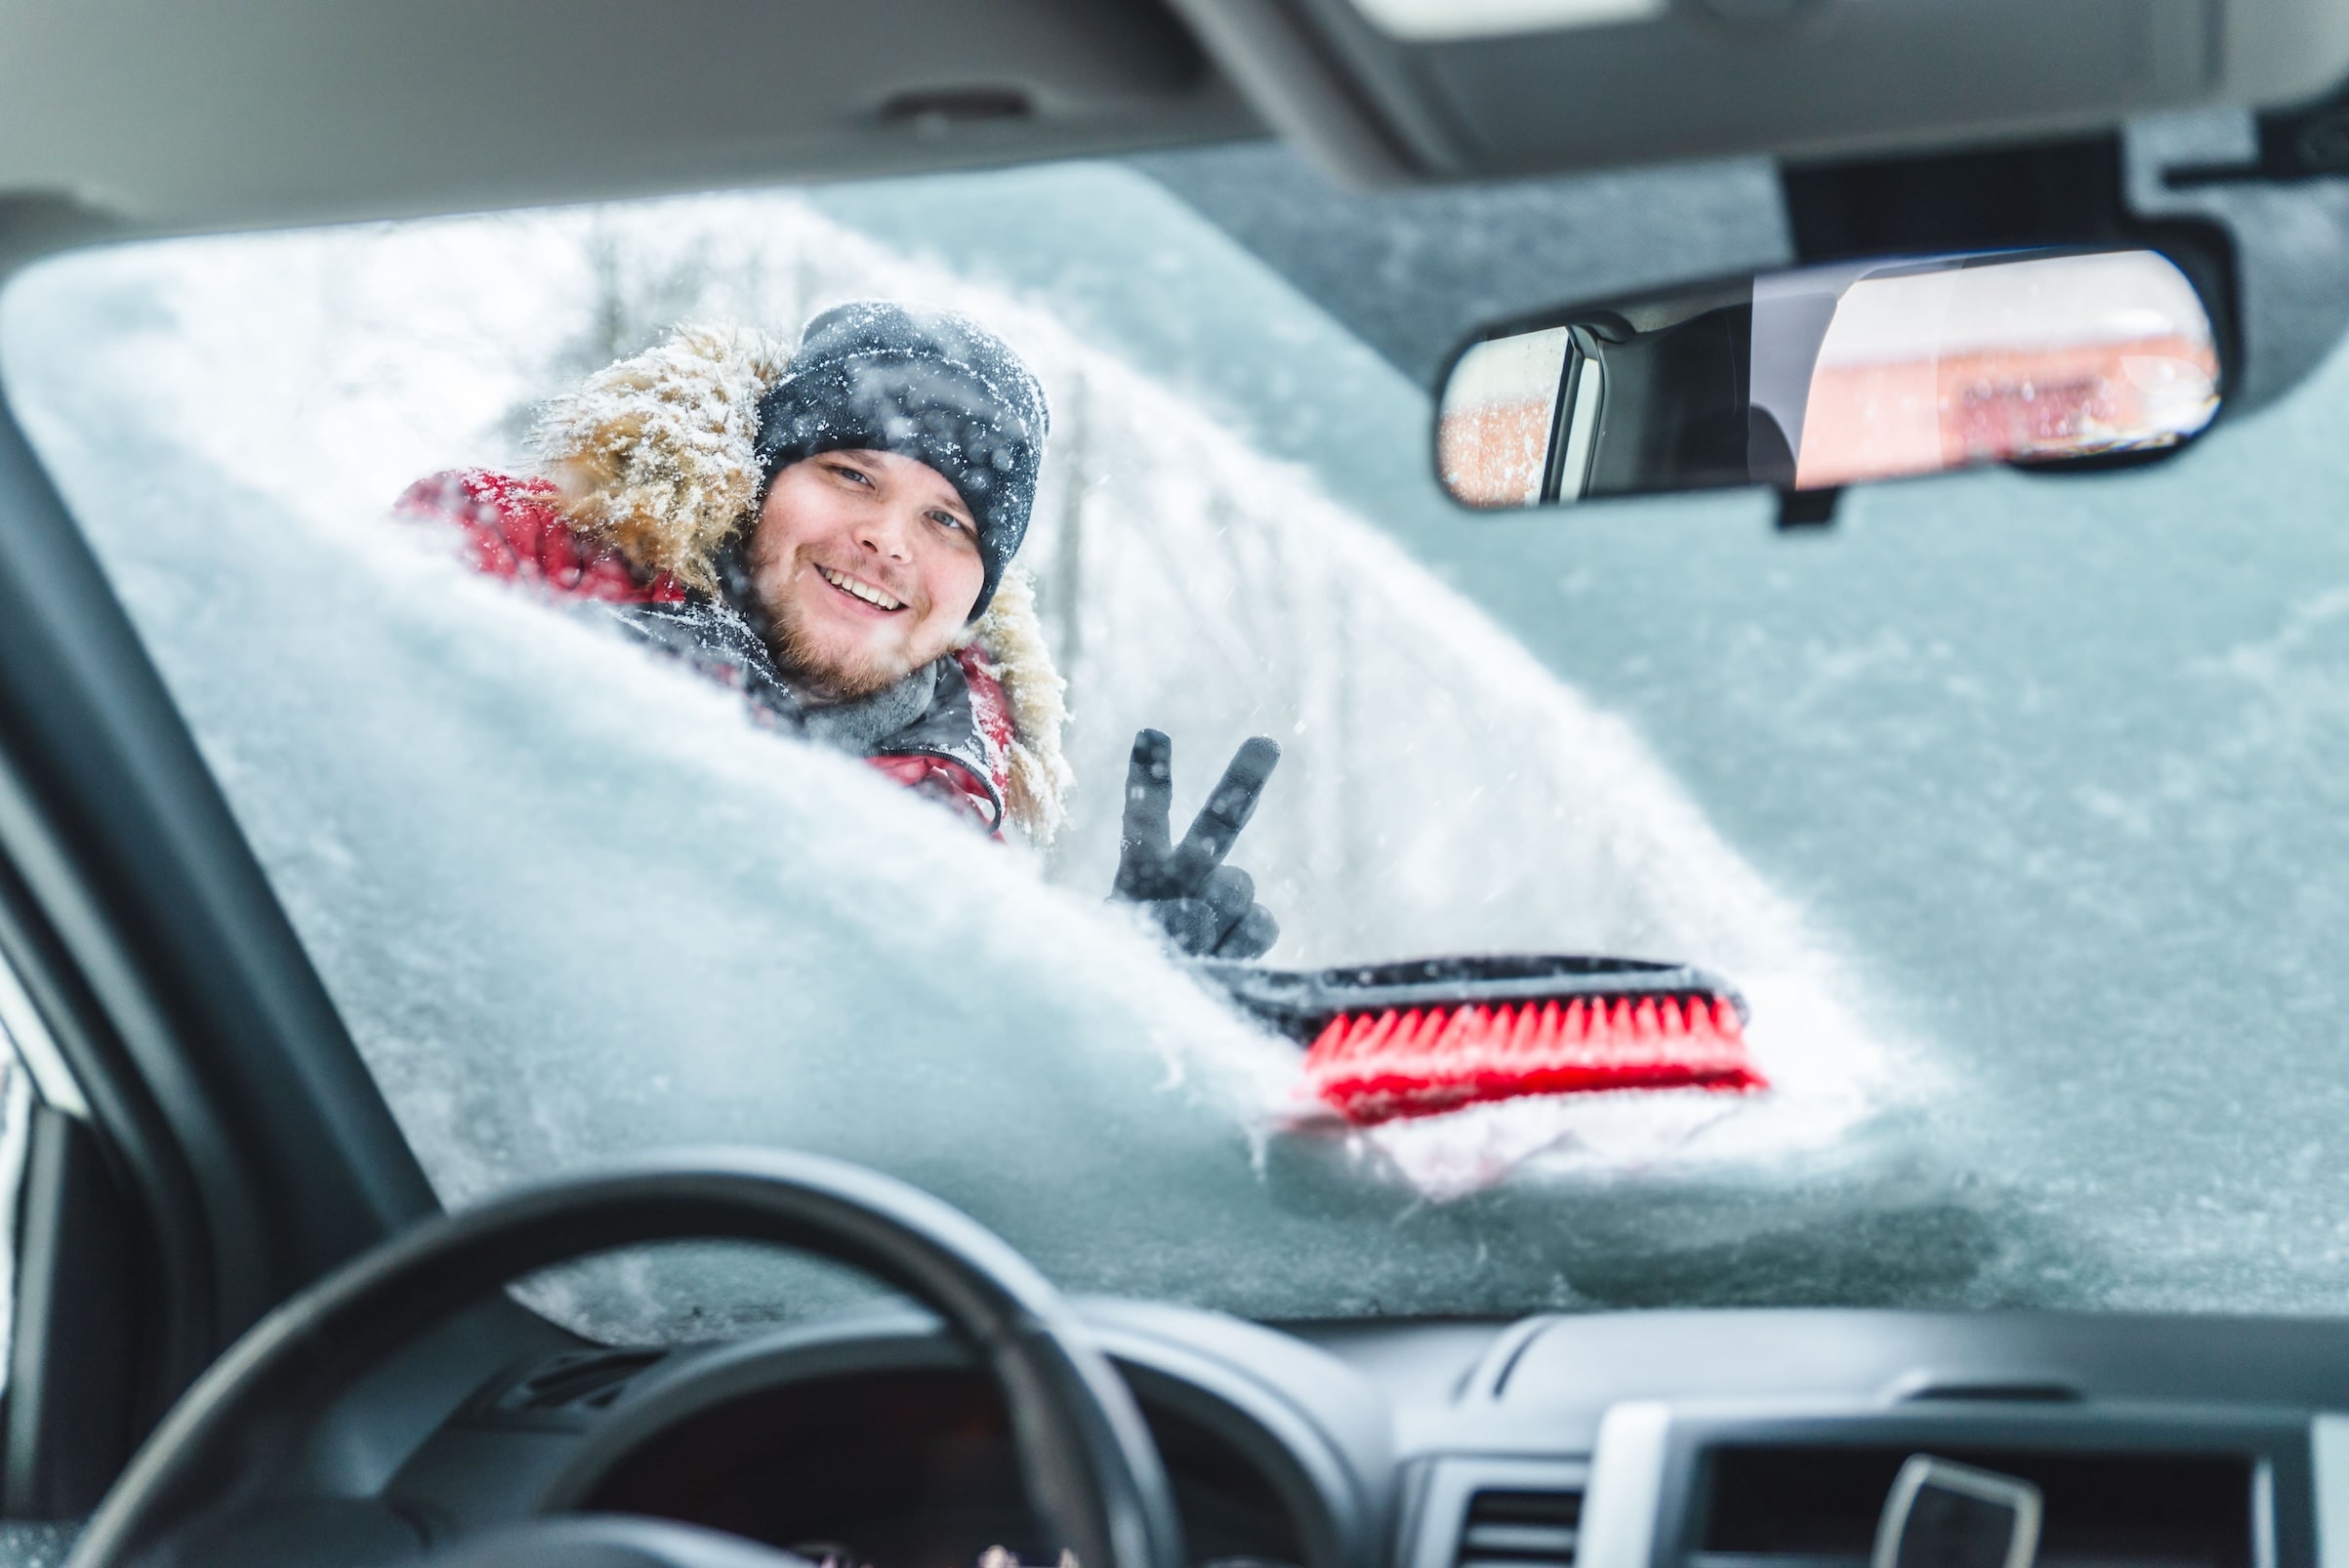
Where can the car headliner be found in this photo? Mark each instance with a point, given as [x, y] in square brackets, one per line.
[118, 118]
[238, 114]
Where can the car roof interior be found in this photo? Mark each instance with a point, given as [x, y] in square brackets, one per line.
[252, 113]
[123, 118]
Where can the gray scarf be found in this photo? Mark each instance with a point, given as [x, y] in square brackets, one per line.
[713, 637]
[860, 726]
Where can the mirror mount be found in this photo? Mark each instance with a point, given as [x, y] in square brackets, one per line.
[2304, 141]
[1808, 511]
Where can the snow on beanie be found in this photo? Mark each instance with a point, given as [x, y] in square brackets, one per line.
[927, 385]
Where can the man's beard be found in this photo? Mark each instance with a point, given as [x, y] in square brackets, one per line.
[815, 671]
[808, 668]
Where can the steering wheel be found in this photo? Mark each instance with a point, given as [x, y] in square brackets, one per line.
[1092, 1473]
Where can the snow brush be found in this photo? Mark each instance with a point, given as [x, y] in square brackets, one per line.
[1432, 1035]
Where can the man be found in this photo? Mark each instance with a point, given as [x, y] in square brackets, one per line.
[831, 533]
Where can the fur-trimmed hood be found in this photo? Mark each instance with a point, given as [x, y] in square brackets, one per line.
[656, 455]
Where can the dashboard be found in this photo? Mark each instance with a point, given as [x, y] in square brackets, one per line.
[1733, 1439]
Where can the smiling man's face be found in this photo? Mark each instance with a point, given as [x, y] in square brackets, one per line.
[867, 564]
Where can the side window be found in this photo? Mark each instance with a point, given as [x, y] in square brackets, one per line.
[70, 1298]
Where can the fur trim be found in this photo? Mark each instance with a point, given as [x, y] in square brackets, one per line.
[657, 456]
[1012, 636]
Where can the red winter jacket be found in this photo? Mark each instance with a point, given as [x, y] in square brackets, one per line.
[958, 751]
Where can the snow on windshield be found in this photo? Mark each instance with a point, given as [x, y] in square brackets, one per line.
[572, 905]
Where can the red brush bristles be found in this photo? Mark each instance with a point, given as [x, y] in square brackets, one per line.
[1374, 1067]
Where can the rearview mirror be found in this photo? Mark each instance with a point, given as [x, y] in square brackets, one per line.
[1826, 376]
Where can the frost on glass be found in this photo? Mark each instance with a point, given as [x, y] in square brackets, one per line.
[573, 905]
[1493, 429]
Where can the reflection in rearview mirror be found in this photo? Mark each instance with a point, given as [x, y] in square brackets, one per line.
[1830, 376]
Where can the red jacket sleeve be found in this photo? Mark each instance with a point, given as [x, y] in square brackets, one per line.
[510, 528]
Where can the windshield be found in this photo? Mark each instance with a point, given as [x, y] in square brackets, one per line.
[2011, 808]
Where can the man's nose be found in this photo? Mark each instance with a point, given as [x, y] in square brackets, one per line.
[884, 533]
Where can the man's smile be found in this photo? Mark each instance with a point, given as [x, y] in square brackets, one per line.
[858, 588]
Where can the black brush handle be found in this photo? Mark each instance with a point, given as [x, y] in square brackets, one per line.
[1300, 1002]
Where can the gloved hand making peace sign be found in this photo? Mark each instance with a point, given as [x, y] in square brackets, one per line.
[1208, 908]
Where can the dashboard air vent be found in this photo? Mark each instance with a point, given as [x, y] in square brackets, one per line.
[1519, 1530]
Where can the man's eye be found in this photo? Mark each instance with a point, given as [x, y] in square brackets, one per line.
[848, 473]
[947, 519]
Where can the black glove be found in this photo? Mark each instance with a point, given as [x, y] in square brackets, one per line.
[1208, 908]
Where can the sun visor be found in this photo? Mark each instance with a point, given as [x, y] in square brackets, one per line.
[1391, 91]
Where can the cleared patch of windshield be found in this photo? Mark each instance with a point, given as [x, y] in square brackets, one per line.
[573, 905]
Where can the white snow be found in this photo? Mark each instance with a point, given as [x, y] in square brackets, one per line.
[570, 904]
